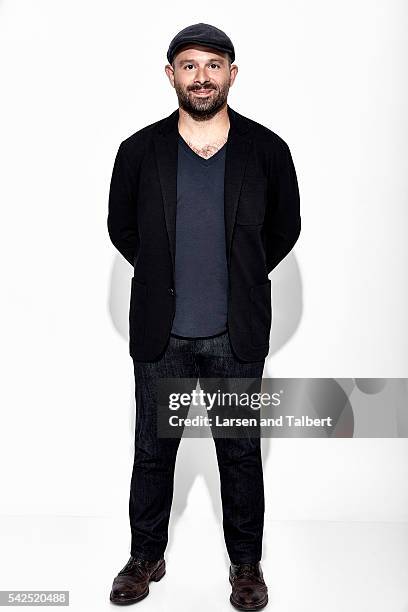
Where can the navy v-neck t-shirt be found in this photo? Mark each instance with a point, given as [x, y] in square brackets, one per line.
[201, 271]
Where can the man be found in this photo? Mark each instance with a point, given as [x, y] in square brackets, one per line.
[200, 302]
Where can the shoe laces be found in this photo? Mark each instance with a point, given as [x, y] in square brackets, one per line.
[248, 569]
[134, 567]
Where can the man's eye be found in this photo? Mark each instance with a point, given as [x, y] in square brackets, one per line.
[188, 65]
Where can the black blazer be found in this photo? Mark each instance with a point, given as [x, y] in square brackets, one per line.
[262, 224]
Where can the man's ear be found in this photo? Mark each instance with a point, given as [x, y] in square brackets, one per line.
[170, 74]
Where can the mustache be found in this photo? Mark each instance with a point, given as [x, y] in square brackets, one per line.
[201, 87]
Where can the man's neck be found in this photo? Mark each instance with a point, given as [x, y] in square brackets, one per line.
[208, 134]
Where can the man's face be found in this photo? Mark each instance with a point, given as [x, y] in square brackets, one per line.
[201, 77]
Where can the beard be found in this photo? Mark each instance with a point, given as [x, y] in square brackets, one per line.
[202, 108]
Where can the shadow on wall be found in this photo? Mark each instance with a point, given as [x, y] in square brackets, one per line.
[287, 302]
[286, 314]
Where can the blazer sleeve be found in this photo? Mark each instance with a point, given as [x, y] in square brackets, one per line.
[122, 217]
[282, 219]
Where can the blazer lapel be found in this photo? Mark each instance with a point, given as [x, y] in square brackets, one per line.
[166, 150]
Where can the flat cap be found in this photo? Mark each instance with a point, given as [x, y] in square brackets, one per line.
[203, 34]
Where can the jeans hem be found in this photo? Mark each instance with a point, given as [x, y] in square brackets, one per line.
[146, 556]
[240, 560]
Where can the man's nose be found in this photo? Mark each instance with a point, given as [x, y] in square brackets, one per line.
[201, 76]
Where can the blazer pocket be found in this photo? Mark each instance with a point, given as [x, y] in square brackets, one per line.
[261, 313]
[252, 200]
[137, 311]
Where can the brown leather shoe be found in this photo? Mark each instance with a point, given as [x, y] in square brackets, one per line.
[132, 582]
[249, 591]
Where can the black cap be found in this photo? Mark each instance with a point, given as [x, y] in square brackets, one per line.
[203, 34]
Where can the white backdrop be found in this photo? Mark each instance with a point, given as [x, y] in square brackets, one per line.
[77, 78]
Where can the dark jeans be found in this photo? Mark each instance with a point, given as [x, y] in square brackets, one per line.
[239, 459]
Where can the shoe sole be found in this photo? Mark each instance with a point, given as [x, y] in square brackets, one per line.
[238, 606]
[155, 577]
